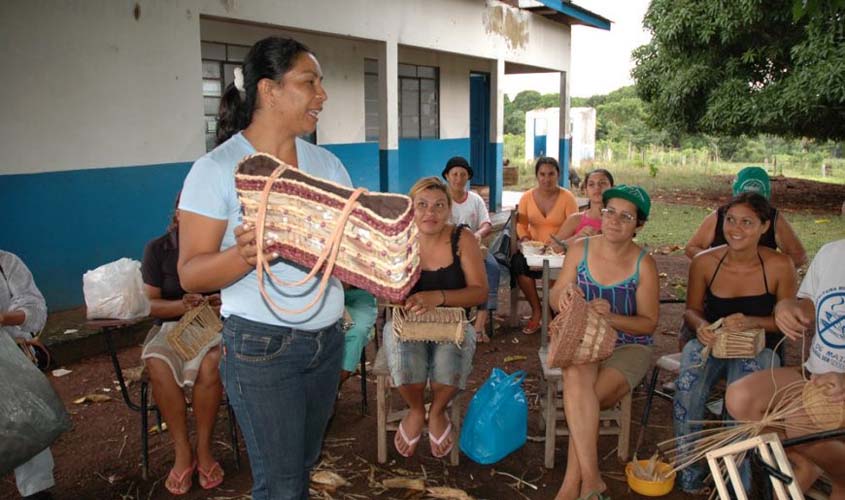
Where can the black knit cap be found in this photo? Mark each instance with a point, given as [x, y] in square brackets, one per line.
[457, 161]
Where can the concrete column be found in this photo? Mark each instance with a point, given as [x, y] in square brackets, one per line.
[565, 146]
[388, 79]
[497, 121]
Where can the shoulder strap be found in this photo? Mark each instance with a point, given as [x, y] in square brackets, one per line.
[763, 266]
[456, 237]
[639, 259]
[716, 271]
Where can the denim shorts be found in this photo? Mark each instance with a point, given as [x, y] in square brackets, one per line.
[418, 362]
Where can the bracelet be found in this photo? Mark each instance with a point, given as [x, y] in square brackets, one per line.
[443, 294]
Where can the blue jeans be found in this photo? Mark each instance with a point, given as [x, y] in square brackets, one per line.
[492, 268]
[282, 385]
[692, 390]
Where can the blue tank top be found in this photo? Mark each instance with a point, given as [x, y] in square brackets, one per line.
[621, 295]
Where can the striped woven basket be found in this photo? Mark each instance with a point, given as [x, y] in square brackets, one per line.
[368, 240]
[577, 335]
[197, 327]
[731, 344]
[443, 325]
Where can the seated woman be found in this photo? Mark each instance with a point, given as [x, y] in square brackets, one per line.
[817, 308]
[362, 309]
[740, 282]
[169, 373]
[541, 212]
[619, 281]
[468, 209]
[587, 223]
[452, 275]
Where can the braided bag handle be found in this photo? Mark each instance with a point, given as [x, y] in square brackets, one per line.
[327, 256]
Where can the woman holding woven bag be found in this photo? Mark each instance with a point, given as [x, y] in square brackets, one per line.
[619, 281]
[740, 282]
[280, 371]
[452, 275]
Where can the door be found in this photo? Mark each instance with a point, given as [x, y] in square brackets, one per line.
[540, 128]
[479, 126]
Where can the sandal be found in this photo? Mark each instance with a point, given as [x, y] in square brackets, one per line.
[207, 482]
[437, 441]
[182, 479]
[598, 495]
[481, 337]
[411, 444]
[531, 328]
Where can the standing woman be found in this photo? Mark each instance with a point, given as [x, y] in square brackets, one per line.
[587, 223]
[468, 208]
[541, 212]
[619, 281]
[280, 371]
[740, 282]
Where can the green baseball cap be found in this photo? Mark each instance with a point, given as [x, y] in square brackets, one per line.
[752, 180]
[634, 194]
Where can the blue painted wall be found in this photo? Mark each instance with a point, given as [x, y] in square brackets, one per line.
[565, 153]
[495, 151]
[64, 223]
[423, 157]
[361, 161]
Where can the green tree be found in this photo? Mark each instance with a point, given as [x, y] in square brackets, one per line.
[527, 100]
[745, 67]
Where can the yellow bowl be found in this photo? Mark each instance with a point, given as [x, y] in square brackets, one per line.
[650, 488]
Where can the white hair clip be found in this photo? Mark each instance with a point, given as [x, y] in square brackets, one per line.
[239, 78]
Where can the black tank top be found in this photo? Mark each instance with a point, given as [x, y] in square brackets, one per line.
[766, 240]
[716, 307]
[450, 277]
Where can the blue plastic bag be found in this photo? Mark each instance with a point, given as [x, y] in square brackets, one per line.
[496, 422]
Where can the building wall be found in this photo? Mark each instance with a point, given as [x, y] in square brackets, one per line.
[105, 115]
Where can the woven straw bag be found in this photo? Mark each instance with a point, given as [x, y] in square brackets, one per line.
[826, 416]
[197, 327]
[578, 335]
[732, 344]
[368, 240]
[443, 324]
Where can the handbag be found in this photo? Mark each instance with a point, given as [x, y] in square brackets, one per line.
[578, 335]
[496, 423]
[500, 247]
[196, 329]
[368, 240]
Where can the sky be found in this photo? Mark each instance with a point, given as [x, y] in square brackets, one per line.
[601, 60]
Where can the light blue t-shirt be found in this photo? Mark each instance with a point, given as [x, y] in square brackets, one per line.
[209, 190]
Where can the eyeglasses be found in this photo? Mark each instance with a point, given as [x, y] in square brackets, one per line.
[438, 207]
[745, 223]
[623, 217]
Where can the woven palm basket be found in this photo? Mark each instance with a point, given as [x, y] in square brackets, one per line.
[197, 327]
[738, 344]
[825, 415]
[577, 335]
[442, 325]
[378, 249]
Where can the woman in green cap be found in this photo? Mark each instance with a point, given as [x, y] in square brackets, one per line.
[619, 280]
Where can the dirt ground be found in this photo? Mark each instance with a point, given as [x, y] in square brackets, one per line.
[100, 457]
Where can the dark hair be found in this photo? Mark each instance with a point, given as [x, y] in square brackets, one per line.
[174, 219]
[546, 160]
[602, 171]
[757, 202]
[271, 58]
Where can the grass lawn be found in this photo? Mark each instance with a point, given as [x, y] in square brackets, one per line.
[672, 224]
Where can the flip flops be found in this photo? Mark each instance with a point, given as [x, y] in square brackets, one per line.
[531, 328]
[207, 482]
[410, 444]
[437, 441]
[182, 479]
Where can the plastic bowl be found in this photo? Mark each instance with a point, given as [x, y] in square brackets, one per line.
[532, 247]
[650, 488]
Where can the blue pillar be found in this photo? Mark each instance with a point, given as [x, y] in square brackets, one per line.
[565, 153]
[388, 170]
[494, 174]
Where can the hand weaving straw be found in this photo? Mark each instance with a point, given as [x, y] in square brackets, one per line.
[578, 335]
[197, 327]
[365, 239]
[442, 325]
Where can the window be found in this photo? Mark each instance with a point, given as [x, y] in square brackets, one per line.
[418, 102]
[372, 117]
[218, 63]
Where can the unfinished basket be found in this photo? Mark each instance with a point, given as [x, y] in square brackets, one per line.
[197, 327]
[443, 325]
[578, 335]
[368, 240]
[731, 344]
[826, 416]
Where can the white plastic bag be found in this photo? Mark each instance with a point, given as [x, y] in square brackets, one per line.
[115, 290]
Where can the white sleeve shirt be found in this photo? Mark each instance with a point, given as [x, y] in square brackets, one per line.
[19, 293]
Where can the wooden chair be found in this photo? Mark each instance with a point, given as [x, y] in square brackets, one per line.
[724, 461]
[388, 418]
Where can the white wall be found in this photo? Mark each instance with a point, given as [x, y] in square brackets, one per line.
[552, 117]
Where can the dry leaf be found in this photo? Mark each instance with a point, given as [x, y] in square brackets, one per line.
[517, 357]
[821, 221]
[448, 493]
[663, 275]
[133, 374]
[328, 478]
[92, 398]
[155, 429]
[404, 482]
[60, 372]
